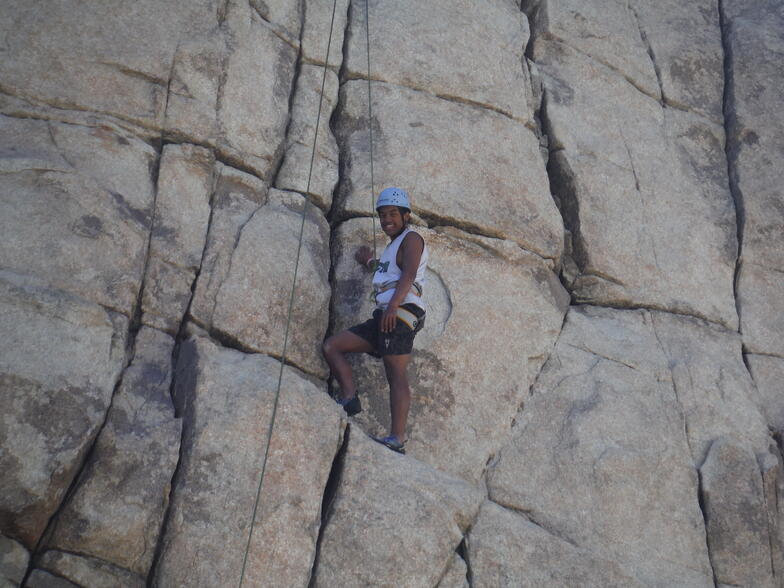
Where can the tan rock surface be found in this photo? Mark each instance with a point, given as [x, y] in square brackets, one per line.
[600, 457]
[643, 190]
[455, 362]
[226, 398]
[182, 212]
[456, 575]
[468, 51]
[399, 518]
[462, 165]
[506, 549]
[315, 31]
[768, 373]
[116, 510]
[13, 562]
[76, 208]
[59, 361]
[86, 571]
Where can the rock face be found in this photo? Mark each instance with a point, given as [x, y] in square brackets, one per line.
[597, 395]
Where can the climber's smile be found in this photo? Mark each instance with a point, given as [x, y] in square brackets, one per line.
[392, 222]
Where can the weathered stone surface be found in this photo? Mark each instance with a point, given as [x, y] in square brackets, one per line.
[755, 141]
[251, 303]
[86, 571]
[13, 562]
[76, 208]
[114, 58]
[43, 579]
[506, 549]
[643, 190]
[456, 575]
[605, 31]
[600, 456]
[315, 32]
[227, 398]
[712, 384]
[683, 40]
[735, 516]
[59, 359]
[772, 469]
[768, 374]
[182, 212]
[400, 520]
[293, 174]
[448, 427]
[117, 508]
[463, 50]
[464, 166]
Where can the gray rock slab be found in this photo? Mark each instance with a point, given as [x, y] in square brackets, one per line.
[182, 213]
[43, 579]
[76, 208]
[399, 518]
[506, 549]
[606, 31]
[86, 571]
[600, 455]
[293, 174]
[683, 40]
[755, 144]
[226, 398]
[735, 516]
[59, 361]
[768, 374]
[315, 31]
[456, 575]
[466, 350]
[643, 190]
[463, 166]
[116, 510]
[114, 58]
[251, 302]
[13, 562]
[463, 50]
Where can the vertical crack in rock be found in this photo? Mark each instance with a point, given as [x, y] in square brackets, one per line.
[728, 109]
[651, 54]
[51, 525]
[330, 491]
[705, 516]
[462, 551]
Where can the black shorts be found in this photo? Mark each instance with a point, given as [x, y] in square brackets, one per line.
[399, 342]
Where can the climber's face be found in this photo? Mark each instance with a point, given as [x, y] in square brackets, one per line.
[391, 219]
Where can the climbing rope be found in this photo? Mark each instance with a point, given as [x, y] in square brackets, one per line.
[370, 127]
[291, 301]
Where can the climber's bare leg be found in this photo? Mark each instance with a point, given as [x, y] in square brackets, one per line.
[334, 349]
[396, 367]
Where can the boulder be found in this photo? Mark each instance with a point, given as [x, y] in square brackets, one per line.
[226, 398]
[600, 457]
[469, 372]
[768, 374]
[395, 521]
[506, 549]
[76, 208]
[735, 516]
[463, 166]
[461, 50]
[60, 358]
[13, 562]
[114, 58]
[116, 509]
[293, 174]
[755, 141]
[249, 301]
[182, 213]
[86, 571]
[643, 191]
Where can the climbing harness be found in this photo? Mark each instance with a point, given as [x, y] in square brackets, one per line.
[299, 250]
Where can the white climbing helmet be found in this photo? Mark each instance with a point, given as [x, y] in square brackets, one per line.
[393, 197]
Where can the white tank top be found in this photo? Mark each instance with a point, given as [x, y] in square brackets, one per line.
[388, 271]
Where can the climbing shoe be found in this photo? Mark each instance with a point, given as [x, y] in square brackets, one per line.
[392, 442]
[351, 405]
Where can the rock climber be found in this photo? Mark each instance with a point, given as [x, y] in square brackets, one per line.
[398, 278]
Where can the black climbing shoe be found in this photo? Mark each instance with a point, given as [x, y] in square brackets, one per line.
[392, 442]
[351, 405]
